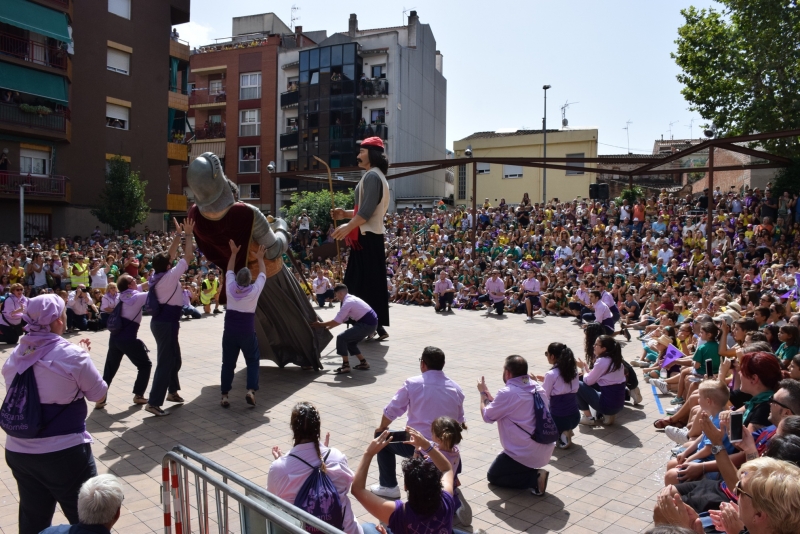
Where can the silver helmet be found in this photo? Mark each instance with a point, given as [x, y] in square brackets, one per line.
[212, 190]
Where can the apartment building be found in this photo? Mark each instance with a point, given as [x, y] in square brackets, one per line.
[65, 109]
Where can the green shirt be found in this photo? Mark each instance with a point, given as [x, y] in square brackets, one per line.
[708, 351]
[786, 352]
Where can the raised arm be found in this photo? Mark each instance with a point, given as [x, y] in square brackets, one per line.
[234, 252]
[188, 247]
[176, 240]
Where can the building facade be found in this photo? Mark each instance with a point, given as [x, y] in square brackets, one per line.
[385, 82]
[511, 182]
[66, 109]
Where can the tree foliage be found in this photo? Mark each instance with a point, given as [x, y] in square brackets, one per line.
[631, 195]
[122, 202]
[787, 179]
[741, 67]
[318, 205]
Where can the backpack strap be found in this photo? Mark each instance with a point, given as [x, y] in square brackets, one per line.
[308, 464]
[533, 394]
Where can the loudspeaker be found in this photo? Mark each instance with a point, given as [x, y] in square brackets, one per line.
[593, 191]
[602, 192]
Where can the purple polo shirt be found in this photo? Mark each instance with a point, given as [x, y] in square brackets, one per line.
[427, 397]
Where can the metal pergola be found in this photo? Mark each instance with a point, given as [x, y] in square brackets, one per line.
[647, 165]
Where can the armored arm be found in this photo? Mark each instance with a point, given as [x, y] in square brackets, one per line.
[274, 237]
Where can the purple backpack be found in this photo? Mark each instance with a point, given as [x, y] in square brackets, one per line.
[21, 412]
[318, 497]
[544, 430]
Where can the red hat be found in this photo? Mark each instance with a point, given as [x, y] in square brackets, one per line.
[372, 142]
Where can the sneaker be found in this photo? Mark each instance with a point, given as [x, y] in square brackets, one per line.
[564, 440]
[678, 435]
[588, 421]
[529, 320]
[383, 336]
[217, 310]
[636, 363]
[138, 399]
[671, 410]
[636, 395]
[464, 512]
[388, 493]
[174, 397]
[156, 410]
[677, 400]
[661, 385]
[99, 405]
[608, 420]
[647, 379]
[677, 450]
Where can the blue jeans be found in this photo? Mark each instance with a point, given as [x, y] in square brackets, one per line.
[81, 322]
[190, 311]
[321, 298]
[232, 343]
[369, 528]
[347, 341]
[509, 473]
[387, 467]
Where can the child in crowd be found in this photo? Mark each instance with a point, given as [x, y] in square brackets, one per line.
[714, 396]
[446, 433]
[790, 343]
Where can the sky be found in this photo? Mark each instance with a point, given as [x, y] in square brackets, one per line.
[611, 58]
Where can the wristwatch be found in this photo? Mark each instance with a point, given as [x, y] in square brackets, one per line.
[716, 449]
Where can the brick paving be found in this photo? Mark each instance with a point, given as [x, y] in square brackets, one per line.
[606, 482]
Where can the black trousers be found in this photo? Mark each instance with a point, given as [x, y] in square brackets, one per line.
[9, 334]
[136, 352]
[168, 362]
[46, 479]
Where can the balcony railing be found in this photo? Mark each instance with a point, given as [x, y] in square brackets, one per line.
[375, 87]
[33, 51]
[175, 89]
[290, 98]
[36, 117]
[214, 130]
[205, 97]
[40, 186]
[289, 140]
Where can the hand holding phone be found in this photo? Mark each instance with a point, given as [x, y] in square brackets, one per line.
[709, 368]
[736, 426]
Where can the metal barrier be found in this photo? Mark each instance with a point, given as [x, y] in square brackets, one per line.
[259, 511]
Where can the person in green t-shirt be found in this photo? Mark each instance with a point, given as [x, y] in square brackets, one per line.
[708, 350]
[789, 336]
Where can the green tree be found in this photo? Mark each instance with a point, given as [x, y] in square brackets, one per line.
[787, 179]
[318, 205]
[122, 202]
[741, 67]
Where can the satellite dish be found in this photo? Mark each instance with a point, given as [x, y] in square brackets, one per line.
[564, 122]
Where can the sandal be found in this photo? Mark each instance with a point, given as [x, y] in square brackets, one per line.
[661, 424]
[344, 369]
[224, 402]
[250, 398]
[363, 366]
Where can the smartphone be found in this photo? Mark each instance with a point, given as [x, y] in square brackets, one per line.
[709, 368]
[397, 436]
[737, 419]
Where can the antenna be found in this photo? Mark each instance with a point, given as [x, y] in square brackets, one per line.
[295, 9]
[404, 14]
[691, 126]
[628, 133]
[670, 129]
[564, 121]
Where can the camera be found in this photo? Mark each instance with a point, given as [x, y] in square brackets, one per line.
[468, 151]
[271, 166]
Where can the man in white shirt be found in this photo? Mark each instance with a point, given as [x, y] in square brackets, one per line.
[665, 253]
[563, 252]
[78, 304]
[530, 293]
[323, 289]
[304, 225]
[240, 331]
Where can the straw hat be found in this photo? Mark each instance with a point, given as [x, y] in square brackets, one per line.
[664, 340]
[735, 305]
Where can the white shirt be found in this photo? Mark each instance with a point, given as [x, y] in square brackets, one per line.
[243, 299]
[100, 279]
[321, 285]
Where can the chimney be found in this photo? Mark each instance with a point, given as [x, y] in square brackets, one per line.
[353, 27]
[298, 34]
[413, 21]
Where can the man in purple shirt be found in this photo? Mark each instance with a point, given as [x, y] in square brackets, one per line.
[520, 464]
[444, 291]
[364, 322]
[495, 293]
[426, 397]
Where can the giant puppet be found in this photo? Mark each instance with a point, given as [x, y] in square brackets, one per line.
[284, 312]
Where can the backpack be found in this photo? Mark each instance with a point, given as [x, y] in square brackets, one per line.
[21, 412]
[318, 497]
[152, 304]
[114, 322]
[545, 430]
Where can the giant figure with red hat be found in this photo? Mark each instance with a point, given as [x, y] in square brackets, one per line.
[283, 313]
[366, 266]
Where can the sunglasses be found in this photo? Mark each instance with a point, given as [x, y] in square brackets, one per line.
[773, 401]
[738, 491]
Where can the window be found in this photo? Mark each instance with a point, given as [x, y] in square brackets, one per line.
[248, 159]
[512, 171]
[573, 164]
[117, 117]
[121, 8]
[214, 119]
[250, 86]
[378, 116]
[378, 71]
[33, 161]
[214, 87]
[462, 181]
[249, 122]
[249, 191]
[189, 124]
[484, 168]
[291, 124]
[118, 61]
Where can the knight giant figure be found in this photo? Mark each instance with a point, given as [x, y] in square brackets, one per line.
[284, 312]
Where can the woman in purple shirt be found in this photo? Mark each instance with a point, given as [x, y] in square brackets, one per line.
[560, 385]
[430, 506]
[602, 388]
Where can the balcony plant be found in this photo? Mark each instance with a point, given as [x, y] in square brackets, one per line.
[40, 110]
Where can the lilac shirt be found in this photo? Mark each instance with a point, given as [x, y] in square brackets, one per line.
[11, 304]
[169, 286]
[531, 285]
[287, 475]
[607, 299]
[554, 385]
[441, 286]
[495, 286]
[601, 311]
[601, 375]
[352, 308]
[132, 302]
[243, 299]
[78, 305]
[514, 404]
[427, 397]
[109, 301]
[321, 286]
[62, 371]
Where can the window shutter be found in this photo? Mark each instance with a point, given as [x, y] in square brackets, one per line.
[119, 61]
[120, 7]
[114, 111]
[512, 171]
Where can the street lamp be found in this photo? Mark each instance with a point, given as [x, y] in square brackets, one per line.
[544, 129]
[468, 153]
[22, 187]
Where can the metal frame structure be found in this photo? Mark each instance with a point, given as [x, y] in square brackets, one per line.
[648, 165]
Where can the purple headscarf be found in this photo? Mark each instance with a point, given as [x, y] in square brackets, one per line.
[41, 312]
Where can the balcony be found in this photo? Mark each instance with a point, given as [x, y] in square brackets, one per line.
[214, 130]
[207, 100]
[290, 99]
[289, 141]
[36, 120]
[49, 186]
[33, 51]
[177, 153]
[179, 49]
[371, 89]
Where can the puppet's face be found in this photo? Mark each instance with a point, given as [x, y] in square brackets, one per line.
[211, 189]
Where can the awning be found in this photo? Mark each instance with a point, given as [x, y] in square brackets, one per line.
[33, 82]
[198, 148]
[35, 18]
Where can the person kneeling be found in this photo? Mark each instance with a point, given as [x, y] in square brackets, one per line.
[365, 323]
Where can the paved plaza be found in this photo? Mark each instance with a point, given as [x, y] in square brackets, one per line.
[605, 483]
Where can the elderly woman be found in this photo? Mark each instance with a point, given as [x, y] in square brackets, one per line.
[50, 464]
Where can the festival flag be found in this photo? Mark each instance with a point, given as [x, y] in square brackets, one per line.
[671, 355]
